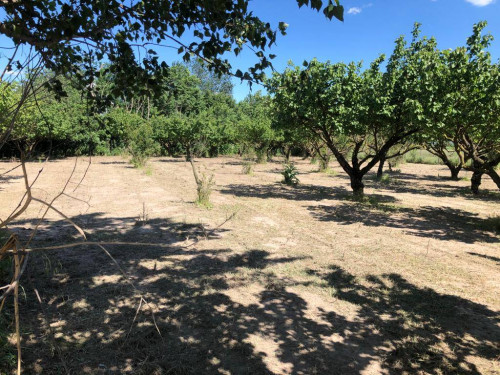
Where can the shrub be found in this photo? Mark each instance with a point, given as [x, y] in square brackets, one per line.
[290, 175]
[141, 144]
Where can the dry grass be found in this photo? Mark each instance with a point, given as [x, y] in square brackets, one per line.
[303, 280]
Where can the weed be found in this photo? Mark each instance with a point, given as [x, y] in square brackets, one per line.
[373, 202]
[204, 190]
[290, 175]
[248, 167]
[143, 218]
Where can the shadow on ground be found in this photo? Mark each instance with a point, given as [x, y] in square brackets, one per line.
[430, 185]
[489, 257]
[301, 192]
[94, 314]
[443, 223]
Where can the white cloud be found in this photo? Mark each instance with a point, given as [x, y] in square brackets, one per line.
[354, 10]
[480, 3]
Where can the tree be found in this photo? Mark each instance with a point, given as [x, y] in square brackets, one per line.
[210, 81]
[468, 106]
[254, 124]
[360, 116]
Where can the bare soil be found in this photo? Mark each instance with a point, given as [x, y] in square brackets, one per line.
[296, 280]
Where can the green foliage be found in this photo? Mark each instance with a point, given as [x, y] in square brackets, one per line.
[57, 29]
[7, 351]
[254, 126]
[290, 173]
[421, 157]
[466, 109]
[141, 144]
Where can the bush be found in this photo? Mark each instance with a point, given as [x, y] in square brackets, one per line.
[290, 175]
[141, 144]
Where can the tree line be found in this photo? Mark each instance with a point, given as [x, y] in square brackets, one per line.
[444, 101]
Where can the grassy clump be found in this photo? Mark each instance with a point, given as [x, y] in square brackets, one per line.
[290, 175]
[386, 179]
[491, 224]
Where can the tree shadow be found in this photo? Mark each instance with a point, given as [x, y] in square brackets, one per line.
[404, 183]
[414, 329]
[99, 227]
[202, 329]
[301, 192]
[207, 327]
[172, 160]
[489, 257]
[443, 223]
[113, 162]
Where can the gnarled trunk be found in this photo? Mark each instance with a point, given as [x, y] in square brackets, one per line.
[454, 170]
[358, 188]
[475, 181]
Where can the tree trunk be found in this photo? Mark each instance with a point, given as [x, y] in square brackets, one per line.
[454, 170]
[475, 181]
[358, 188]
[189, 158]
[287, 154]
[494, 176]
[380, 170]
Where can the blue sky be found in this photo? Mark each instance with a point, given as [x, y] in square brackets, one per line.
[370, 28]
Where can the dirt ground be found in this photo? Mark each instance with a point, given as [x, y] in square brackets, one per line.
[271, 280]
